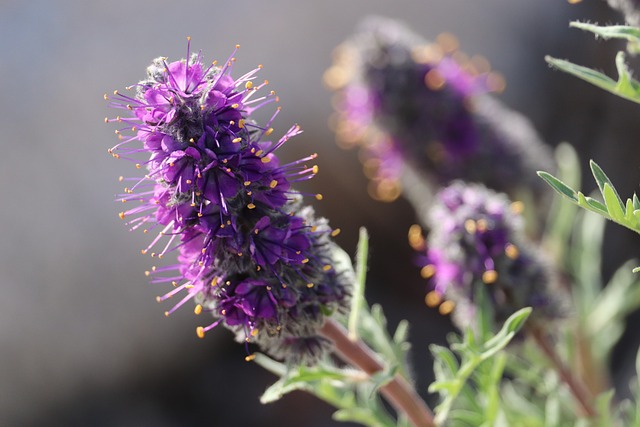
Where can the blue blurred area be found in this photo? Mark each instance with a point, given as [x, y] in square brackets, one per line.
[82, 341]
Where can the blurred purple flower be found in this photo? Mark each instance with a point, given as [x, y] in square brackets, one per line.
[477, 239]
[426, 106]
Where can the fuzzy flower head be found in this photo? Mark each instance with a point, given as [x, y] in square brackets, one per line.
[410, 102]
[215, 193]
[477, 239]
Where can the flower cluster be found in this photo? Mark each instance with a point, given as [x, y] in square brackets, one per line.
[214, 190]
[477, 239]
[412, 103]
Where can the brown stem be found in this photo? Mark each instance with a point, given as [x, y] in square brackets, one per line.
[398, 391]
[579, 391]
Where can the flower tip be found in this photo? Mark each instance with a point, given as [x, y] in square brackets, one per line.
[198, 309]
[250, 357]
[335, 232]
[166, 314]
[319, 196]
[121, 215]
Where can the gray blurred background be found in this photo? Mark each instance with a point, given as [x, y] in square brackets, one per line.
[82, 340]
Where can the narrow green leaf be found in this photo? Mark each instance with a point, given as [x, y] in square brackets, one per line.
[358, 415]
[635, 270]
[559, 186]
[592, 205]
[594, 77]
[467, 417]
[625, 32]
[511, 326]
[626, 85]
[601, 178]
[614, 205]
[279, 389]
[446, 358]
[636, 202]
[357, 300]
[402, 332]
[603, 405]
[382, 378]
[628, 214]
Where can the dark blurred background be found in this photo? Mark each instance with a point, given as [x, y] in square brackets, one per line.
[82, 341]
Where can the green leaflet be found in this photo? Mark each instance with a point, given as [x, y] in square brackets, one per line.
[625, 213]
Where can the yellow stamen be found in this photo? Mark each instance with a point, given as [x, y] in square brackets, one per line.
[428, 271]
[489, 276]
[511, 251]
[470, 226]
[432, 299]
[416, 239]
[446, 307]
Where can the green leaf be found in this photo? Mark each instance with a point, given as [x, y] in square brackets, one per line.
[559, 186]
[358, 415]
[382, 378]
[629, 217]
[402, 332]
[603, 407]
[278, 389]
[602, 179]
[593, 205]
[357, 300]
[626, 87]
[512, 325]
[302, 378]
[614, 205]
[625, 32]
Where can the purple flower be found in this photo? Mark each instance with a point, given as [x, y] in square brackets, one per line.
[477, 239]
[426, 106]
[215, 192]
